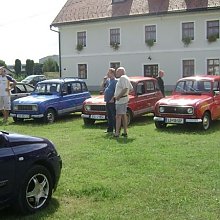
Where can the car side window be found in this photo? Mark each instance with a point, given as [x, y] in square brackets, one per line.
[150, 86]
[140, 88]
[76, 87]
[84, 87]
[216, 86]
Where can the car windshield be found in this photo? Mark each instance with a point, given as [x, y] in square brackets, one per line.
[193, 86]
[47, 88]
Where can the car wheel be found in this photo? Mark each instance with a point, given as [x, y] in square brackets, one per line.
[160, 125]
[88, 121]
[206, 121]
[18, 119]
[49, 116]
[36, 190]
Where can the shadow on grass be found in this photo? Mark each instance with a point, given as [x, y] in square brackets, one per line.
[8, 214]
[192, 129]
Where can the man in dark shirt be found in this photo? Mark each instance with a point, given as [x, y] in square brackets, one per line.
[109, 99]
[160, 81]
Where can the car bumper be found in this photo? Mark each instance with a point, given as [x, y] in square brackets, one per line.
[177, 120]
[26, 116]
[95, 117]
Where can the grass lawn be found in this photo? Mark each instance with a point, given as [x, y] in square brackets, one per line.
[170, 174]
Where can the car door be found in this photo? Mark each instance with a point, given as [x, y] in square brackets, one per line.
[216, 103]
[7, 169]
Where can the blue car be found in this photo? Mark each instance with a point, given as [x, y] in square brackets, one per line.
[30, 169]
[50, 99]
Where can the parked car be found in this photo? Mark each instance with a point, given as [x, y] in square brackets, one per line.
[195, 100]
[30, 169]
[141, 101]
[21, 90]
[50, 99]
[33, 79]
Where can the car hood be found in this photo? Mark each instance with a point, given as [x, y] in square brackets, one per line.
[32, 99]
[95, 100]
[182, 100]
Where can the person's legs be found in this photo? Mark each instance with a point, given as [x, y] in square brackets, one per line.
[125, 123]
[118, 124]
[7, 107]
[111, 117]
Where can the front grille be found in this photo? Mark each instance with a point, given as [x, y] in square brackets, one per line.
[25, 107]
[181, 110]
[99, 108]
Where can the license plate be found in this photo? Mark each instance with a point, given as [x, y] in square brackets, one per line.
[174, 120]
[22, 116]
[97, 116]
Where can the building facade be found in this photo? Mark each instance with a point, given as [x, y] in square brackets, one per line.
[182, 39]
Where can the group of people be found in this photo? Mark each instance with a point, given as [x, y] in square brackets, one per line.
[116, 87]
[116, 97]
[6, 84]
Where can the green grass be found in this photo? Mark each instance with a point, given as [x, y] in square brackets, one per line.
[170, 174]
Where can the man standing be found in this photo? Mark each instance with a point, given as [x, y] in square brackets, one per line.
[109, 99]
[160, 81]
[123, 87]
[5, 93]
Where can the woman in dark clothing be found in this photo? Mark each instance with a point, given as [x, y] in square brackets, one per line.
[160, 81]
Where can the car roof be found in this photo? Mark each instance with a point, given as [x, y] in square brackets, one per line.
[201, 77]
[61, 80]
[140, 78]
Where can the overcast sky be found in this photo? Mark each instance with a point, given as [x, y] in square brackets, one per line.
[25, 29]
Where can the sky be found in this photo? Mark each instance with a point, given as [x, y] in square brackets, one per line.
[25, 29]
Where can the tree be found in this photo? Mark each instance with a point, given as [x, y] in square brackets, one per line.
[29, 67]
[17, 67]
[2, 63]
[50, 65]
[38, 68]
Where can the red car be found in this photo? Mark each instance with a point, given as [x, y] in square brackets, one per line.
[141, 101]
[195, 99]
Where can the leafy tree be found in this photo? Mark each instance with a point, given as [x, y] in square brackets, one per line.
[2, 63]
[17, 67]
[50, 65]
[38, 68]
[29, 67]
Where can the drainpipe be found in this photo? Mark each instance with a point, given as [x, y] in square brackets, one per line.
[60, 67]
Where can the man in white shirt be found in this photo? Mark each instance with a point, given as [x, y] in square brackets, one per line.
[5, 93]
[123, 87]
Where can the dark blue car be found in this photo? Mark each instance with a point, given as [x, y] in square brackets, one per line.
[50, 99]
[29, 171]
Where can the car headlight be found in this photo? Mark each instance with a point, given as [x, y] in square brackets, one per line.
[87, 107]
[34, 107]
[15, 107]
[161, 109]
[190, 110]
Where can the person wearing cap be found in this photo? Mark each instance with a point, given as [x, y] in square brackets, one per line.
[5, 93]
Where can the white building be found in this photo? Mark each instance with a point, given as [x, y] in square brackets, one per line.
[96, 26]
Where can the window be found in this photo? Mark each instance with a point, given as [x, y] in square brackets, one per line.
[117, 1]
[115, 65]
[188, 68]
[82, 71]
[81, 38]
[150, 32]
[213, 67]
[150, 86]
[140, 88]
[114, 36]
[188, 30]
[151, 70]
[213, 29]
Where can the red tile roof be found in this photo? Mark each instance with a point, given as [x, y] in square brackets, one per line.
[91, 10]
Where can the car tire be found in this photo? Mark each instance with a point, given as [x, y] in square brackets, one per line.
[206, 121]
[35, 190]
[49, 116]
[88, 121]
[160, 125]
[129, 117]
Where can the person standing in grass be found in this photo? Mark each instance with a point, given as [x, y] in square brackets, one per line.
[161, 82]
[123, 87]
[5, 93]
[110, 102]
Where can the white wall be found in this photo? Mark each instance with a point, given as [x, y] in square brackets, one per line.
[168, 52]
